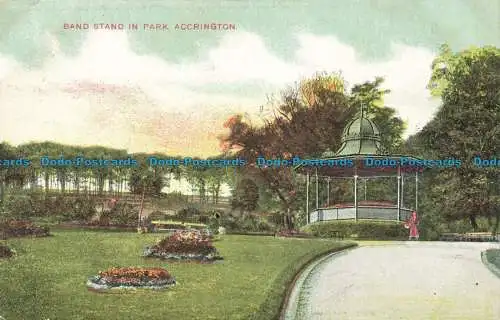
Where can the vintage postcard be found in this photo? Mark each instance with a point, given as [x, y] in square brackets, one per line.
[209, 159]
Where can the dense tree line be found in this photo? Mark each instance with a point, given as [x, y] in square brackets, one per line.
[99, 181]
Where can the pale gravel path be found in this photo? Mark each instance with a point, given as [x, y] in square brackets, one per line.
[406, 280]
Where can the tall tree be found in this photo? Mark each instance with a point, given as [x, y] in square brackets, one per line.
[246, 196]
[308, 121]
[467, 125]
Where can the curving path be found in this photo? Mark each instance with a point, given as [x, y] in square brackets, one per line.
[405, 280]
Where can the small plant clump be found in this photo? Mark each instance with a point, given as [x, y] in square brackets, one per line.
[6, 252]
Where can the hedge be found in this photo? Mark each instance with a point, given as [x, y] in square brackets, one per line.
[361, 229]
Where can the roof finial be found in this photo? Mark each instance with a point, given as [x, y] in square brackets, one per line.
[362, 110]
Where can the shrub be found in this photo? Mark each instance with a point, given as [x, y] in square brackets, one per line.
[21, 228]
[104, 218]
[215, 213]
[246, 223]
[81, 209]
[157, 215]
[5, 252]
[224, 220]
[187, 213]
[276, 218]
[18, 205]
[124, 214]
[363, 229]
[252, 223]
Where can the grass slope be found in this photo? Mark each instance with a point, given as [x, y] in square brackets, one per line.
[47, 278]
[492, 257]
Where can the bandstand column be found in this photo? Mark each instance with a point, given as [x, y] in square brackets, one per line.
[399, 194]
[402, 190]
[328, 192]
[317, 189]
[355, 197]
[416, 191]
[307, 198]
[366, 180]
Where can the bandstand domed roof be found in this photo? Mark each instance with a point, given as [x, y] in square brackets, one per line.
[361, 137]
[360, 140]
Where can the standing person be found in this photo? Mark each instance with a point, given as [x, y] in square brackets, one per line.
[412, 224]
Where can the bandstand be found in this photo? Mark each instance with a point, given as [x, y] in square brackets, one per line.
[361, 140]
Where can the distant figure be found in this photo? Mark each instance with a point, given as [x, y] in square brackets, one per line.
[412, 224]
[112, 203]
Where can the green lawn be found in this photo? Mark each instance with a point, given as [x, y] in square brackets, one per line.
[493, 257]
[47, 278]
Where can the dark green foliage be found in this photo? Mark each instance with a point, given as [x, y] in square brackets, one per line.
[140, 181]
[157, 215]
[188, 213]
[82, 209]
[364, 229]
[124, 214]
[19, 206]
[22, 228]
[466, 125]
[5, 252]
[276, 218]
[246, 223]
[493, 257]
[246, 196]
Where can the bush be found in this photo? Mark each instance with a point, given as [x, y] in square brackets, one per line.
[81, 209]
[253, 223]
[188, 213]
[157, 215]
[5, 252]
[276, 218]
[105, 218]
[18, 205]
[21, 228]
[124, 214]
[215, 213]
[374, 230]
[246, 223]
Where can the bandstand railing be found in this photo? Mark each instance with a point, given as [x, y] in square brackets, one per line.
[363, 213]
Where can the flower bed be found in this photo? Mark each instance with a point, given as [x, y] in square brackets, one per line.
[131, 278]
[6, 252]
[22, 228]
[292, 234]
[184, 245]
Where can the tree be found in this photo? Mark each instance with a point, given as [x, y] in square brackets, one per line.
[466, 125]
[146, 184]
[246, 196]
[308, 121]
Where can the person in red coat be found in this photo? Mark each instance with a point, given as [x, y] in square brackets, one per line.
[412, 224]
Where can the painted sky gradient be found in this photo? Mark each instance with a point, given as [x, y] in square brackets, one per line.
[170, 91]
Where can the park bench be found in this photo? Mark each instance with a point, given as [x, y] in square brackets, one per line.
[449, 237]
[469, 237]
[480, 236]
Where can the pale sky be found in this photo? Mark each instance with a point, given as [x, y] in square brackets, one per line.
[170, 91]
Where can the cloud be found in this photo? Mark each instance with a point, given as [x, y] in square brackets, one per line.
[110, 95]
